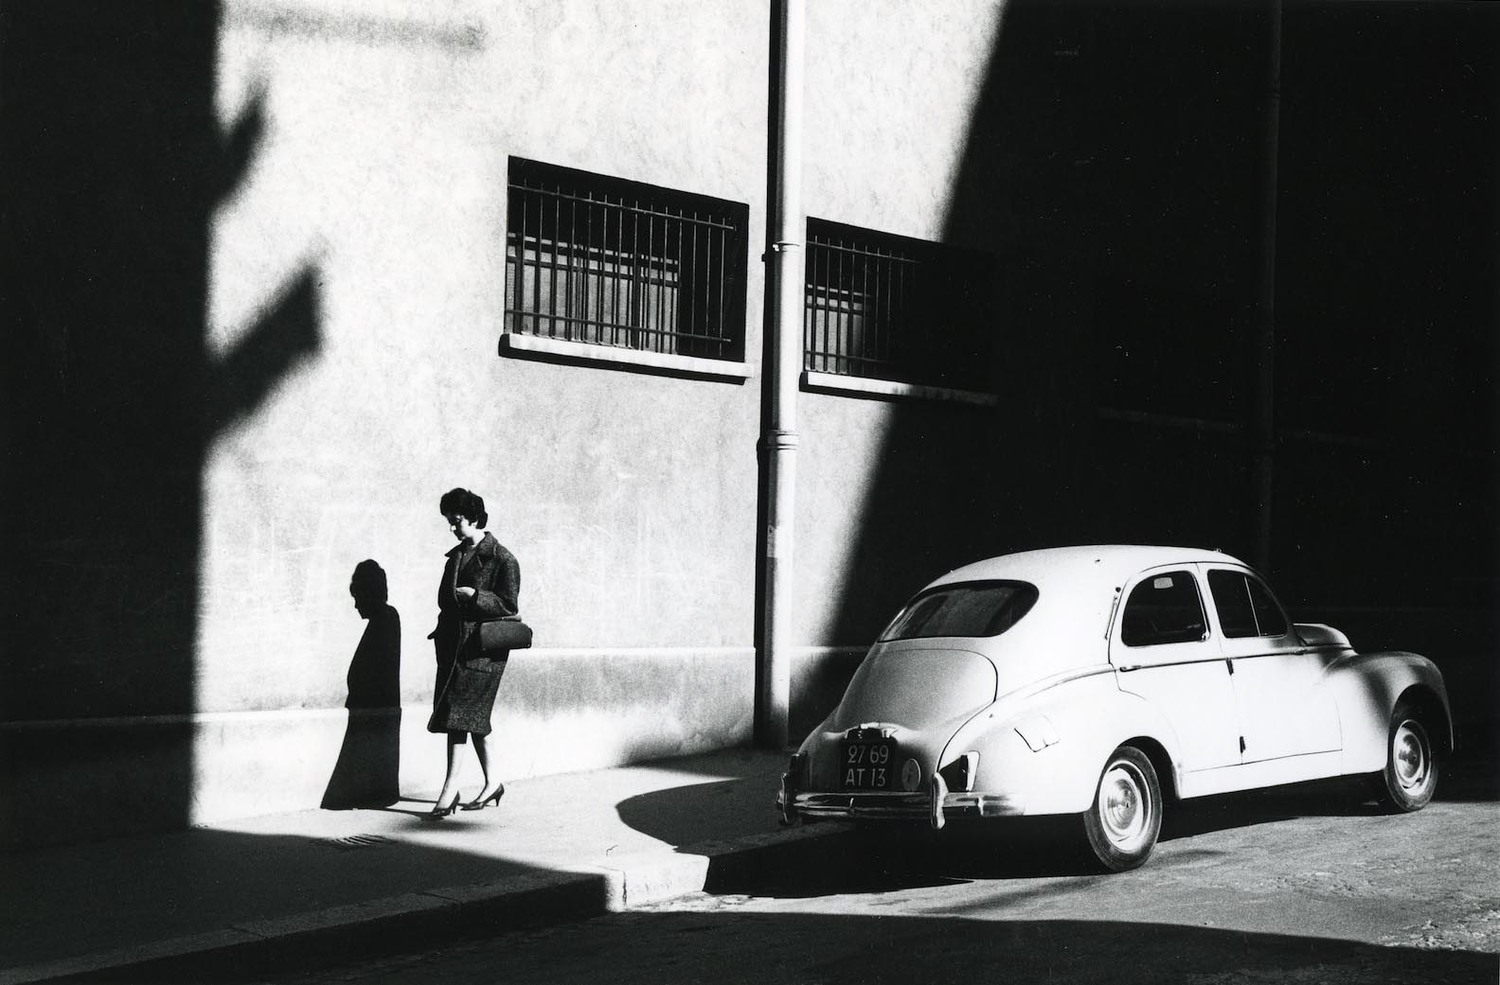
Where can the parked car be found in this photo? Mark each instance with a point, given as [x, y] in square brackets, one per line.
[1103, 684]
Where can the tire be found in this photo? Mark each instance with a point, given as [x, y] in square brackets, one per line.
[1122, 825]
[1411, 762]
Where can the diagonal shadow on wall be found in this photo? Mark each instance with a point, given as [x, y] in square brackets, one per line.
[1113, 171]
[1094, 162]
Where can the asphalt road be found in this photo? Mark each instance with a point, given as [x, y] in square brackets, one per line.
[1294, 886]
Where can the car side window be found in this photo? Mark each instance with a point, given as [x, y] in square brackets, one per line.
[1232, 600]
[1269, 619]
[1245, 606]
[1164, 608]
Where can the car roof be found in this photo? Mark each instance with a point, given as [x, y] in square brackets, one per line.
[1083, 566]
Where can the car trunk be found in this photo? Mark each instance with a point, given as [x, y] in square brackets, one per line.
[916, 683]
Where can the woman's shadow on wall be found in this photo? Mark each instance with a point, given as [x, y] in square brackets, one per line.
[367, 773]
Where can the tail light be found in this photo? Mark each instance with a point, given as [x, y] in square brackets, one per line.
[959, 775]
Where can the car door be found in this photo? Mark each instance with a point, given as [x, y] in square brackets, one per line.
[1162, 650]
[1282, 703]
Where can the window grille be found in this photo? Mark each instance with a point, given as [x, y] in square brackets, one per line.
[890, 308]
[608, 262]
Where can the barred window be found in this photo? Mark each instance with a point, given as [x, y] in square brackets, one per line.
[608, 262]
[890, 308]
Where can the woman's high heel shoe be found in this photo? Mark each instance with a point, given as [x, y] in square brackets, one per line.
[438, 813]
[493, 798]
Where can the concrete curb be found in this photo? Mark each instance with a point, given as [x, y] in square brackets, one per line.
[429, 917]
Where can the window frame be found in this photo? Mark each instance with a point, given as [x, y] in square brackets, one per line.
[1248, 581]
[853, 316]
[1144, 579]
[637, 275]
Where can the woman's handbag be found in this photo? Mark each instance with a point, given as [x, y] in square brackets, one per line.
[509, 633]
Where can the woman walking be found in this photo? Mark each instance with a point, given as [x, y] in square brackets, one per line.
[481, 582]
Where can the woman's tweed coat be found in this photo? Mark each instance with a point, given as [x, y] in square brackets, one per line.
[464, 692]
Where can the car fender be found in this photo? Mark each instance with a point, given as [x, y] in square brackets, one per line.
[1366, 687]
[1042, 752]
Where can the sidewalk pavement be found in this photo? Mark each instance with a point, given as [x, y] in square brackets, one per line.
[321, 885]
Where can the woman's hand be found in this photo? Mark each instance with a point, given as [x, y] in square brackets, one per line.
[464, 592]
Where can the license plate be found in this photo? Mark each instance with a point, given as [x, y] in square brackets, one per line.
[869, 765]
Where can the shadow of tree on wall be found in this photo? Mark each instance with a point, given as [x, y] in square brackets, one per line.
[115, 162]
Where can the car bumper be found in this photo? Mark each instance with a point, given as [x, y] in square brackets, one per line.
[936, 805]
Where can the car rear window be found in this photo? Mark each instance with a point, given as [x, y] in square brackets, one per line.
[971, 609]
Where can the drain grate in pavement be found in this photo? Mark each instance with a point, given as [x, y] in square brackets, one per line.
[351, 842]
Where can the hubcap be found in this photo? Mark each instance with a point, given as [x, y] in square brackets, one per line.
[1124, 810]
[1409, 755]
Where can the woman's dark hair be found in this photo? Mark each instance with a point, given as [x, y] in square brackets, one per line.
[461, 502]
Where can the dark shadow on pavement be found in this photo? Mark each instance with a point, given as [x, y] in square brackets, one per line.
[1341, 797]
[126, 892]
[1461, 781]
[845, 861]
[671, 815]
[730, 948]
[885, 858]
[204, 881]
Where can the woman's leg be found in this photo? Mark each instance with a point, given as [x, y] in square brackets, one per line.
[492, 784]
[449, 793]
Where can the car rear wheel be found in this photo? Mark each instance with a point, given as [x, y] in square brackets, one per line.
[1411, 762]
[1125, 819]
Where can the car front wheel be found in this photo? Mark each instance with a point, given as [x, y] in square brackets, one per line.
[1411, 764]
[1125, 818]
